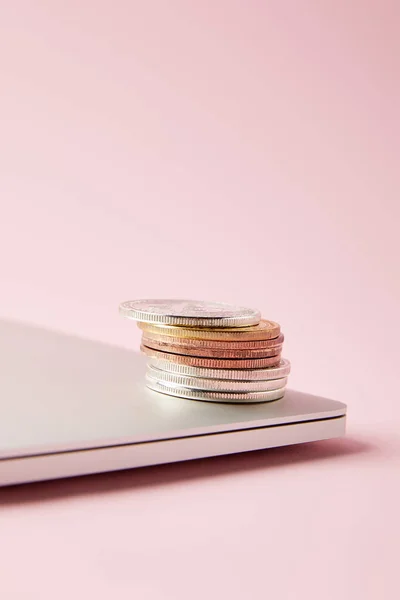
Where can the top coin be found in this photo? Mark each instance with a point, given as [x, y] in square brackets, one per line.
[189, 313]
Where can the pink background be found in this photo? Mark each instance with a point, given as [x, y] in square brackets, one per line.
[245, 152]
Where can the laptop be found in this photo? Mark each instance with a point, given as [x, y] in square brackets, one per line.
[71, 407]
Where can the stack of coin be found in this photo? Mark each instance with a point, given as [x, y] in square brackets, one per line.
[210, 351]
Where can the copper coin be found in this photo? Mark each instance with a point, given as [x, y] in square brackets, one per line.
[213, 363]
[265, 330]
[212, 352]
[189, 343]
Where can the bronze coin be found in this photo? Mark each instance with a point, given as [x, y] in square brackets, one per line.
[213, 363]
[194, 350]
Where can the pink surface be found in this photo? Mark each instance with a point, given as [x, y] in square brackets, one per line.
[313, 521]
[244, 152]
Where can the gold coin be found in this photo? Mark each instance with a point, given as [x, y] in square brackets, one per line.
[213, 363]
[265, 330]
[188, 343]
[212, 352]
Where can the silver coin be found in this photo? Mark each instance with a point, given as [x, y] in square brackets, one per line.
[189, 313]
[226, 397]
[282, 370]
[217, 385]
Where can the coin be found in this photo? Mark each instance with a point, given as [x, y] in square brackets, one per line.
[281, 370]
[190, 313]
[209, 396]
[265, 330]
[212, 352]
[187, 342]
[213, 363]
[221, 385]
